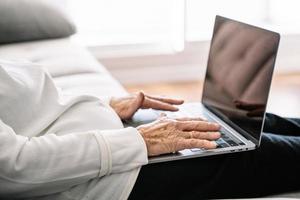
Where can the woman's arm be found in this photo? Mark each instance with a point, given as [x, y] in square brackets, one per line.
[48, 164]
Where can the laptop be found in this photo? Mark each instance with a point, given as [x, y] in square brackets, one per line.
[235, 91]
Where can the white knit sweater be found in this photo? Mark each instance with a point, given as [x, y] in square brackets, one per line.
[55, 145]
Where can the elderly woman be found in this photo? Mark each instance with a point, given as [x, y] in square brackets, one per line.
[55, 145]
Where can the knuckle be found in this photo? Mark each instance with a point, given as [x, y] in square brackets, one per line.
[202, 143]
[169, 123]
[181, 144]
[195, 125]
[193, 142]
[192, 134]
[176, 124]
[207, 135]
[206, 125]
[196, 134]
[179, 125]
[173, 124]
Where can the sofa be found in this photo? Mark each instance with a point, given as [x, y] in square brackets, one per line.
[72, 67]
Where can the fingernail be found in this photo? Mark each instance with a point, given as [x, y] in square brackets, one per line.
[217, 125]
[218, 135]
[214, 144]
[175, 108]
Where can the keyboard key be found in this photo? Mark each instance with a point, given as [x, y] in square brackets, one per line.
[222, 145]
[220, 140]
[232, 143]
[225, 137]
[222, 133]
[196, 150]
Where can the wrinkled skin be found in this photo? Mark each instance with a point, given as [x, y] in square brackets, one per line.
[167, 135]
[170, 135]
[126, 106]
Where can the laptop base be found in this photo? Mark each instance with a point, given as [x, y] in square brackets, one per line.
[238, 144]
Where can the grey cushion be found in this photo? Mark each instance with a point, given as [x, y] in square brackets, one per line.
[26, 20]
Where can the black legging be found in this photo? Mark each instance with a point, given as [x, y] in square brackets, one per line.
[272, 168]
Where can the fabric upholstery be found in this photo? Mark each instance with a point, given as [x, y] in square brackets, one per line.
[73, 67]
[27, 20]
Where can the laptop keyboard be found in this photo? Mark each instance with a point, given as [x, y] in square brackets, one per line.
[226, 140]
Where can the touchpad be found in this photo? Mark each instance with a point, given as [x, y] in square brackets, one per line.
[142, 116]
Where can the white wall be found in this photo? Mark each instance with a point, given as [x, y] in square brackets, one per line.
[164, 65]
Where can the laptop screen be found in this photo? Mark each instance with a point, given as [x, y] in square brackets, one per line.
[239, 73]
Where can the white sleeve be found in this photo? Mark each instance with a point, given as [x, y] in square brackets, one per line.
[106, 99]
[51, 163]
[121, 150]
[31, 166]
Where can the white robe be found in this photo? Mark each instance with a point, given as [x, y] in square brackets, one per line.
[55, 145]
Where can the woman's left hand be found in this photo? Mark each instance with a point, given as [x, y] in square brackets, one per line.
[125, 107]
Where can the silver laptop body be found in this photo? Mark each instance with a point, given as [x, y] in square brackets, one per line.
[235, 92]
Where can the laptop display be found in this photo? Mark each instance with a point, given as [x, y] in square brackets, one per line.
[239, 73]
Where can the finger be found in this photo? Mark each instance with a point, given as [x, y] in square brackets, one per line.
[197, 126]
[158, 105]
[135, 105]
[166, 100]
[201, 135]
[191, 119]
[196, 143]
[140, 97]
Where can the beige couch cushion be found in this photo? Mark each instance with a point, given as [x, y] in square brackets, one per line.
[73, 67]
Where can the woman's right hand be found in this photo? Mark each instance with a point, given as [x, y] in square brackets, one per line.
[167, 135]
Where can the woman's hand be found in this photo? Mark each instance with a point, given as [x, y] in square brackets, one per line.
[167, 135]
[125, 107]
